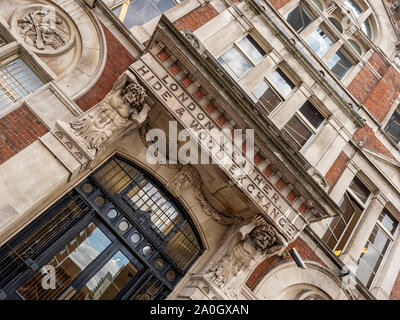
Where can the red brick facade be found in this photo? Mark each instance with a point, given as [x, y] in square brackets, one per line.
[302, 248]
[378, 95]
[395, 294]
[196, 18]
[279, 3]
[19, 129]
[363, 84]
[337, 169]
[384, 94]
[367, 135]
[118, 60]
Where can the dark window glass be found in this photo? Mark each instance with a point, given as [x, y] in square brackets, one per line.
[336, 24]
[339, 64]
[266, 97]
[355, 46]
[234, 63]
[281, 82]
[393, 126]
[252, 49]
[359, 189]
[297, 132]
[312, 114]
[341, 227]
[299, 18]
[319, 42]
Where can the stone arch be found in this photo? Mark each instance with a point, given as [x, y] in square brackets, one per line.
[285, 281]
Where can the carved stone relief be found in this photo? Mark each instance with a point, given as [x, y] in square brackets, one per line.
[43, 28]
[189, 176]
[251, 244]
[123, 107]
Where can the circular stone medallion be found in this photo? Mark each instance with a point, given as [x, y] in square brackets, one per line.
[43, 28]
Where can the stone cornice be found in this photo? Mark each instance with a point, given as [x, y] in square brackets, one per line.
[205, 65]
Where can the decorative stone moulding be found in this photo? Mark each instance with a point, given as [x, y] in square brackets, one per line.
[66, 137]
[44, 28]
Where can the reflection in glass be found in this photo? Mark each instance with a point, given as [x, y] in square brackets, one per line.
[234, 63]
[112, 213]
[135, 238]
[319, 42]
[359, 189]
[147, 250]
[171, 275]
[297, 132]
[299, 18]
[377, 246]
[68, 263]
[339, 64]
[393, 126]
[281, 82]
[252, 49]
[109, 280]
[100, 201]
[123, 225]
[87, 188]
[159, 263]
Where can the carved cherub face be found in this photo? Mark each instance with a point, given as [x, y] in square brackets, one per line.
[263, 237]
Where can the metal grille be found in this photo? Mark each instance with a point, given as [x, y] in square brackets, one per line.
[141, 195]
[17, 80]
[14, 260]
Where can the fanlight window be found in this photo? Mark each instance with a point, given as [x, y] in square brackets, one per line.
[117, 235]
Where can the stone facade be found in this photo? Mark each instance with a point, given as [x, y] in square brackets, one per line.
[107, 84]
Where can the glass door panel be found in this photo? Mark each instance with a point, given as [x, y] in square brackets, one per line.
[110, 279]
[69, 263]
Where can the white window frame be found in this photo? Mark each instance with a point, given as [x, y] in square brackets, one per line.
[392, 238]
[363, 207]
[276, 91]
[236, 45]
[309, 126]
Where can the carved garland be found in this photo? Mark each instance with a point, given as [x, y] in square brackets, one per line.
[187, 176]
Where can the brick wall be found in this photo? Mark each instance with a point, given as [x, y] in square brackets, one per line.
[19, 129]
[367, 135]
[363, 84]
[302, 248]
[279, 3]
[384, 95]
[334, 173]
[118, 61]
[395, 294]
[378, 95]
[196, 18]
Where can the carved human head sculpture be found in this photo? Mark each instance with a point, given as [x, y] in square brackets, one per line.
[264, 237]
[134, 95]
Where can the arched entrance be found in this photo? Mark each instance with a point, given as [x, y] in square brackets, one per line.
[117, 235]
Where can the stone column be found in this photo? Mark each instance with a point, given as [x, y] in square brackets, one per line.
[364, 229]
